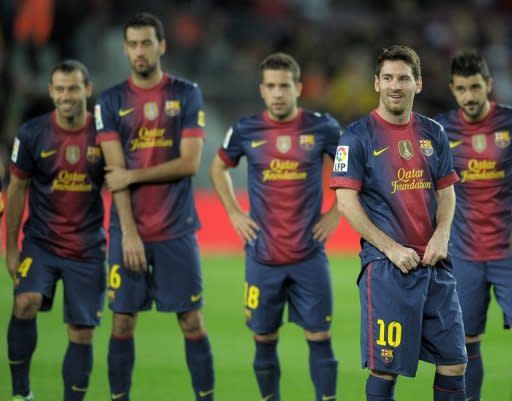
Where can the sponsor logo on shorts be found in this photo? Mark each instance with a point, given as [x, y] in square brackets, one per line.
[196, 297]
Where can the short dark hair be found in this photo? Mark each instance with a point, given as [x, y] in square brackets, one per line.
[68, 66]
[140, 20]
[469, 62]
[403, 53]
[281, 61]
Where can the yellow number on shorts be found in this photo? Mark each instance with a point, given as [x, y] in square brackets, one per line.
[392, 336]
[114, 278]
[24, 267]
[251, 296]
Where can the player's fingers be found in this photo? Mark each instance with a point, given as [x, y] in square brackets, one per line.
[402, 268]
[253, 224]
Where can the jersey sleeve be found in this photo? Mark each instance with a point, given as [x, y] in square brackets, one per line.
[332, 137]
[22, 159]
[446, 174]
[193, 114]
[105, 118]
[232, 150]
[349, 162]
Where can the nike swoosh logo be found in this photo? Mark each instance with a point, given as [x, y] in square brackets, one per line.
[47, 153]
[328, 397]
[118, 395]
[256, 144]
[20, 362]
[469, 398]
[125, 112]
[195, 298]
[377, 153]
[205, 393]
[79, 389]
[268, 397]
[454, 144]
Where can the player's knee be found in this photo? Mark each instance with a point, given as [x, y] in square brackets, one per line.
[317, 336]
[266, 337]
[80, 334]
[123, 324]
[191, 323]
[27, 305]
[473, 339]
[452, 370]
[383, 375]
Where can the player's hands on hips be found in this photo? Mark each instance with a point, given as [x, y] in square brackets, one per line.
[12, 261]
[324, 228]
[246, 228]
[405, 259]
[133, 252]
[436, 250]
[117, 178]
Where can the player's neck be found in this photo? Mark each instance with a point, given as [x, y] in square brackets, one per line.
[149, 81]
[397, 119]
[75, 123]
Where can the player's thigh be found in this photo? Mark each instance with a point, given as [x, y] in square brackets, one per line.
[84, 291]
[473, 290]
[443, 329]
[264, 296]
[391, 317]
[499, 274]
[176, 280]
[128, 291]
[37, 272]
[310, 293]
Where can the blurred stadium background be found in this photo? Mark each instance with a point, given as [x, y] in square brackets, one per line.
[219, 44]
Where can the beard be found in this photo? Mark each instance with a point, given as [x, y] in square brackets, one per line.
[473, 110]
[144, 71]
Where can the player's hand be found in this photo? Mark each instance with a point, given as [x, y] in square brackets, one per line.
[12, 261]
[324, 228]
[133, 253]
[117, 178]
[405, 259]
[246, 228]
[436, 250]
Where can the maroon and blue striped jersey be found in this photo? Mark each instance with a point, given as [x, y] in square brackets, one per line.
[482, 157]
[397, 170]
[66, 170]
[150, 124]
[284, 180]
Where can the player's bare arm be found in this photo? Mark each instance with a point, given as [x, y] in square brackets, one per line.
[133, 248]
[327, 223]
[437, 247]
[245, 227]
[405, 259]
[16, 195]
[119, 178]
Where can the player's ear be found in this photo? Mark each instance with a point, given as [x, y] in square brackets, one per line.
[298, 86]
[89, 89]
[262, 91]
[376, 84]
[162, 46]
[489, 83]
[419, 85]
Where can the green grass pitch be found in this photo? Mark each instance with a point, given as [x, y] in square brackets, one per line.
[160, 370]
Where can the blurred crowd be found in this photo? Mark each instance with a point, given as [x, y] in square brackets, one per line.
[219, 44]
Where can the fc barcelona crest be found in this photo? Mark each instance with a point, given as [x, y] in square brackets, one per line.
[307, 142]
[72, 154]
[386, 355]
[93, 154]
[405, 149]
[172, 107]
[479, 143]
[426, 147]
[284, 143]
[151, 111]
[502, 139]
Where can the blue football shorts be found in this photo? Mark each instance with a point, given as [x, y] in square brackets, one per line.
[83, 282]
[408, 317]
[173, 280]
[474, 282]
[304, 286]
